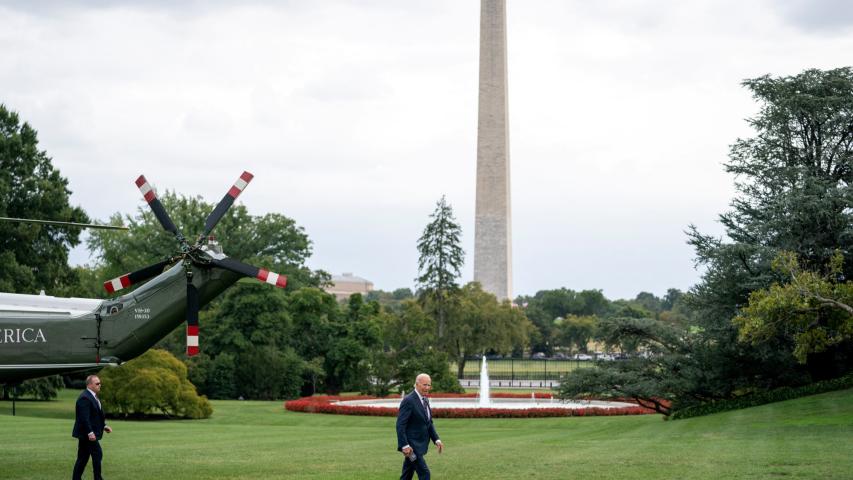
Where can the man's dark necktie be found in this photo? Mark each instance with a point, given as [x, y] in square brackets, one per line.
[426, 407]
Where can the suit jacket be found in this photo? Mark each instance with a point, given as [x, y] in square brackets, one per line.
[413, 427]
[88, 417]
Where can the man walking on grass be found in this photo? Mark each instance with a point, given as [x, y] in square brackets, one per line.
[415, 429]
[89, 426]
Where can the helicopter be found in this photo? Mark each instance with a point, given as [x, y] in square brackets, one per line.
[43, 335]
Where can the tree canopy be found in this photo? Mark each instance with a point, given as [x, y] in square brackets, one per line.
[33, 257]
[481, 324]
[817, 310]
[792, 183]
[546, 306]
[746, 324]
[410, 348]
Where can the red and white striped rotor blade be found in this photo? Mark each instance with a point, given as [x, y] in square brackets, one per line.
[135, 277]
[261, 274]
[157, 207]
[192, 319]
[226, 203]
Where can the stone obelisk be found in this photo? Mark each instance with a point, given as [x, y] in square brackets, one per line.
[492, 223]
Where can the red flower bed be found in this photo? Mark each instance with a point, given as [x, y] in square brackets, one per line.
[325, 404]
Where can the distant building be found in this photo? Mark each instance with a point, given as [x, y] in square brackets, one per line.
[345, 285]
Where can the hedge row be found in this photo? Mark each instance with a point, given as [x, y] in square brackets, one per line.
[761, 398]
[326, 404]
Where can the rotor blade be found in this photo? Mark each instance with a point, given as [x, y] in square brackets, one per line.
[156, 206]
[226, 202]
[192, 319]
[66, 224]
[250, 271]
[133, 278]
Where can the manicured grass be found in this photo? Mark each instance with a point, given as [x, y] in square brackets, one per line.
[810, 437]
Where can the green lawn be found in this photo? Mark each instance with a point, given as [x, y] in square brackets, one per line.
[806, 438]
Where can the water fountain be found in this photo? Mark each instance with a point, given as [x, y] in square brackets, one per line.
[485, 400]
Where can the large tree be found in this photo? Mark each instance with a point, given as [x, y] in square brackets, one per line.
[250, 315]
[793, 194]
[440, 262]
[575, 331]
[33, 257]
[354, 336]
[546, 306]
[482, 324]
[409, 349]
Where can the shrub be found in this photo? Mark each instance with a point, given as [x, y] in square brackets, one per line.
[154, 383]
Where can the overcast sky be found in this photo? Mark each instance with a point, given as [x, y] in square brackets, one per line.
[357, 116]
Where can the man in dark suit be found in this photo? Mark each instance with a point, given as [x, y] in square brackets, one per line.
[89, 426]
[415, 430]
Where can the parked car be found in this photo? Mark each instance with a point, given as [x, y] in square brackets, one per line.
[582, 356]
[538, 355]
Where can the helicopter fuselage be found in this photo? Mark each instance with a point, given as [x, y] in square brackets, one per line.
[42, 335]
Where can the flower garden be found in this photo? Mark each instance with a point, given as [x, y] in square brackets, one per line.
[328, 404]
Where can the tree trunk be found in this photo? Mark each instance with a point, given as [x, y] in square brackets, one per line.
[655, 404]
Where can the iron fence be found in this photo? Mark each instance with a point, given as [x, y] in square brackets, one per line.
[522, 369]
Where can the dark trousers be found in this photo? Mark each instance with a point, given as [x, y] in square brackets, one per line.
[419, 465]
[86, 449]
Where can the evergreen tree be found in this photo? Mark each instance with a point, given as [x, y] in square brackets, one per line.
[793, 195]
[440, 261]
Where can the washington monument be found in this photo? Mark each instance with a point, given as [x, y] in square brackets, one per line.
[493, 219]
